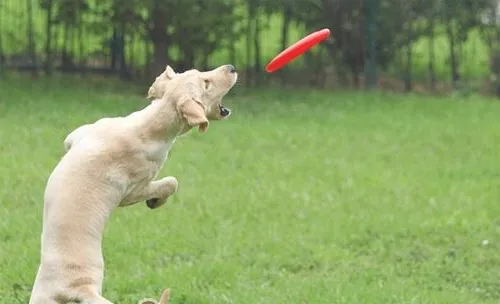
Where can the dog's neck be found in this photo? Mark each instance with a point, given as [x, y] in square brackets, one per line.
[161, 121]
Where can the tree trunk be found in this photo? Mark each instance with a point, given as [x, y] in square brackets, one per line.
[65, 42]
[74, 42]
[432, 57]
[232, 40]
[81, 47]
[232, 50]
[131, 47]
[147, 58]
[114, 49]
[371, 40]
[409, 57]
[205, 57]
[31, 39]
[495, 51]
[121, 53]
[67, 54]
[48, 40]
[204, 63]
[285, 30]
[159, 37]
[189, 60]
[455, 76]
[355, 74]
[248, 44]
[256, 45]
[2, 56]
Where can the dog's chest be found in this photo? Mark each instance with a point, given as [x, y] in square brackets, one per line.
[156, 154]
[158, 151]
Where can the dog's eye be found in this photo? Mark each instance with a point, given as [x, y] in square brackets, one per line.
[207, 84]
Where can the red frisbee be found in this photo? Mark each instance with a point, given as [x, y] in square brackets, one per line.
[297, 49]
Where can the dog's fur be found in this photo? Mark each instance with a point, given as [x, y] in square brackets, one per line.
[113, 163]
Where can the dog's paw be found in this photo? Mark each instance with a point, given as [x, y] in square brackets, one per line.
[171, 184]
[168, 187]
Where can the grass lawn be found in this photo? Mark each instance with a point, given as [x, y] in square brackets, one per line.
[301, 197]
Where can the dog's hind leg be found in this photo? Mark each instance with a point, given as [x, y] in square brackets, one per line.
[155, 193]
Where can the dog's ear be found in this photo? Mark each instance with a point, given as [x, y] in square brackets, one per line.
[165, 296]
[169, 72]
[193, 110]
[151, 93]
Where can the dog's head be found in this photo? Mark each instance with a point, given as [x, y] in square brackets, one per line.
[197, 95]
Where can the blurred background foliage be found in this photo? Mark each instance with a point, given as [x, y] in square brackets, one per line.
[423, 46]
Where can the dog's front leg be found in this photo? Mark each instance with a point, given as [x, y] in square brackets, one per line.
[155, 193]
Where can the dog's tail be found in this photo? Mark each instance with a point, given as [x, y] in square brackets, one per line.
[165, 297]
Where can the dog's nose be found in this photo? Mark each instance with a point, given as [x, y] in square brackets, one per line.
[231, 68]
[224, 111]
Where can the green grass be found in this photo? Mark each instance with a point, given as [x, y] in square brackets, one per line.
[301, 197]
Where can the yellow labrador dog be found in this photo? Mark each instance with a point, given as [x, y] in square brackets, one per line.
[113, 163]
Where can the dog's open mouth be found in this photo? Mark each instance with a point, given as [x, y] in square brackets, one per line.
[152, 203]
[224, 112]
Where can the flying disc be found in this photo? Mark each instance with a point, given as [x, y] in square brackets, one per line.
[297, 49]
